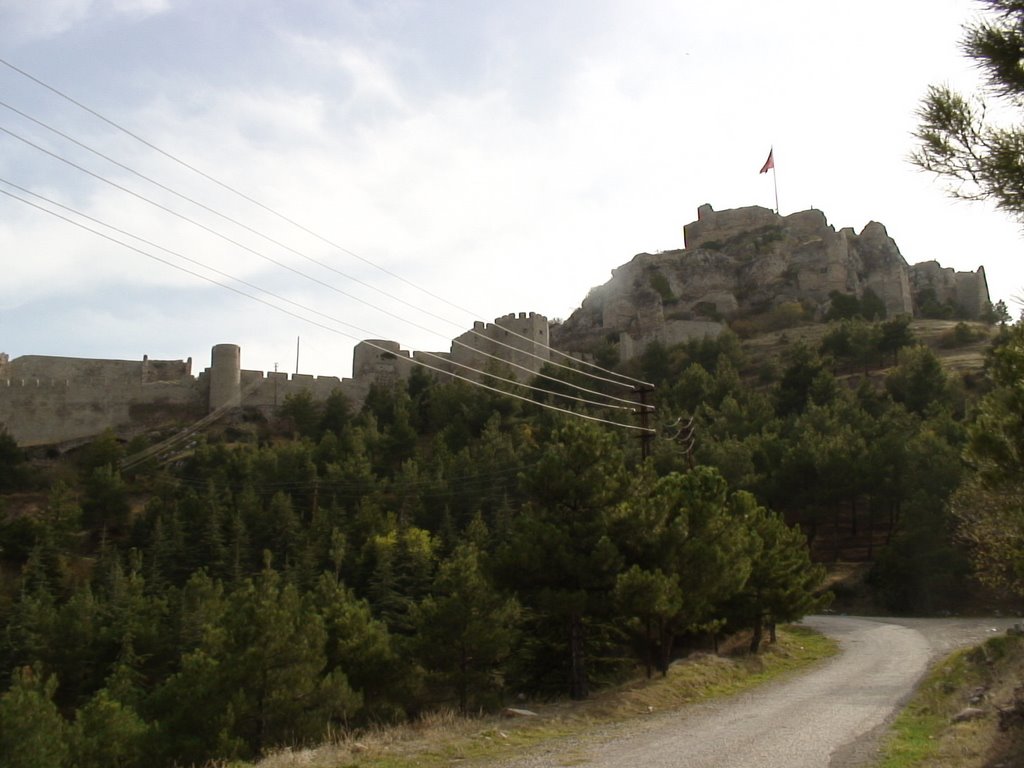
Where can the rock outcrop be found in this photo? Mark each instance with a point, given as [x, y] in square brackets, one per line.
[748, 262]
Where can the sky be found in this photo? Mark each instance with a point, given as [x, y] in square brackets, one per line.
[395, 169]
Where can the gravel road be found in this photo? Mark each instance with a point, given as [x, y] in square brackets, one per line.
[831, 716]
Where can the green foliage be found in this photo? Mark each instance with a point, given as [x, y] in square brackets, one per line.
[466, 630]
[660, 284]
[895, 334]
[928, 305]
[446, 545]
[872, 306]
[961, 335]
[651, 599]
[105, 506]
[359, 644]
[691, 549]
[12, 463]
[919, 381]
[925, 568]
[843, 306]
[804, 381]
[301, 412]
[32, 732]
[996, 313]
[988, 503]
[853, 341]
[107, 734]
[958, 140]
[783, 584]
[105, 451]
[559, 555]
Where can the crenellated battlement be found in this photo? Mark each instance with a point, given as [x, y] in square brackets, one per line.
[36, 383]
[50, 400]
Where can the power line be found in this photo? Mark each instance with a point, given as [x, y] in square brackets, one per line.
[620, 377]
[330, 329]
[305, 256]
[386, 485]
[298, 305]
[295, 271]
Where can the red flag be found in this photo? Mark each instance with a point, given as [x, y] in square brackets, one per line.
[770, 162]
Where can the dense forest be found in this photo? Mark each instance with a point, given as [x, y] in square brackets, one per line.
[447, 546]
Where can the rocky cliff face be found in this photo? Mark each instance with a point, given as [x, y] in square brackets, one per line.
[751, 261]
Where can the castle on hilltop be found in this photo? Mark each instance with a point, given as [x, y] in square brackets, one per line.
[735, 264]
[61, 400]
[747, 262]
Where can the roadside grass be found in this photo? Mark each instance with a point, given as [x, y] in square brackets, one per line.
[442, 738]
[924, 734]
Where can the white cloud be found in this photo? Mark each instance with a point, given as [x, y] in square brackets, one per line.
[42, 19]
[566, 145]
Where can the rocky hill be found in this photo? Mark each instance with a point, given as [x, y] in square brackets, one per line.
[751, 262]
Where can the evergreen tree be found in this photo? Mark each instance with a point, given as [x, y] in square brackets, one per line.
[652, 599]
[359, 645]
[272, 657]
[980, 159]
[301, 413]
[466, 629]
[401, 567]
[12, 463]
[32, 732]
[684, 527]
[559, 554]
[107, 734]
[919, 381]
[105, 506]
[988, 505]
[783, 583]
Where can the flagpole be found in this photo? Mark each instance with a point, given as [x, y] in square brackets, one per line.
[769, 165]
[775, 183]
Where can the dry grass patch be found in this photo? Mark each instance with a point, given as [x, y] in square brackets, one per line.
[444, 738]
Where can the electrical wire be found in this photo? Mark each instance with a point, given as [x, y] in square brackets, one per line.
[296, 224]
[440, 358]
[388, 485]
[302, 274]
[307, 308]
[330, 329]
[323, 265]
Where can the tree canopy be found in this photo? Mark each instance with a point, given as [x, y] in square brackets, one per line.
[980, 157]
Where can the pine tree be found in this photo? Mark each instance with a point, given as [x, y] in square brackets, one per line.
[466, 629]
[559, 555]
[359, 646]
[32, 732]
[107, 734]
[783, 584]
[271, 650]
[980, 159]
[653, 599]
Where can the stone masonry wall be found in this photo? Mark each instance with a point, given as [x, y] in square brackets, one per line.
[57, 400]
[47, 400]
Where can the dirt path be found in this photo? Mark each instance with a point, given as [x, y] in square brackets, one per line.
[831, 716]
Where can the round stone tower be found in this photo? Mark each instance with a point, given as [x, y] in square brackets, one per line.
[225, 375]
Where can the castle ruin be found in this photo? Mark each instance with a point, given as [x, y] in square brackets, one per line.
[64, 400]
[750, 261]
[734, 263]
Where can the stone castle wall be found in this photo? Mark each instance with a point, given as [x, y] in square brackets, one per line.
[46, 400]
[968, 290]
[60, 400]
[736, 263]
[519, 342]
[747, 262]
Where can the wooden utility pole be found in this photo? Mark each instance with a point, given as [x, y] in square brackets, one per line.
[643, 411]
